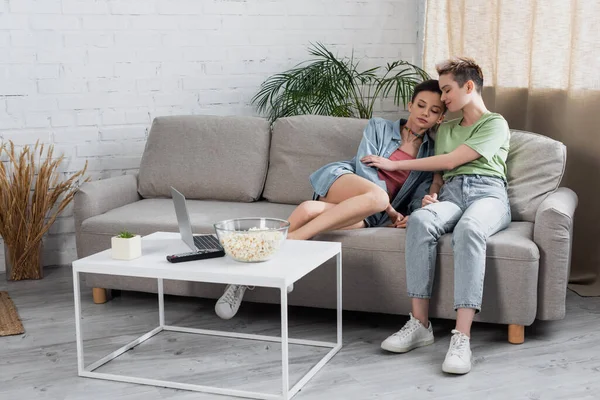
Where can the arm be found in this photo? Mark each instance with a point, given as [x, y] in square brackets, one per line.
[436, 185]
[434, 190]
[97, 197]
[394, 215]
[370, 144]
[416, 201]
[553, 234]
[445, 162]
[485, 141]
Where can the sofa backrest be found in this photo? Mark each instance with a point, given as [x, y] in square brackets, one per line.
[206, 157]
[302, 144]
[536, 165]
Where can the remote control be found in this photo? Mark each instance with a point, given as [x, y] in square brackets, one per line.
[194, 255]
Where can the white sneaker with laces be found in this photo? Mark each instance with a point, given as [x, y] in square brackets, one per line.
[229, 303]
[412, 335]
[458, 357]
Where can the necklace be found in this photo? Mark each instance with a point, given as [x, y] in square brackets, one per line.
[406, 128]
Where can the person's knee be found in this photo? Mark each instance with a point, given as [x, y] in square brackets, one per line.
[421, 217]
[308, 209]
[468, 229]
[378, 200]
[424, 222]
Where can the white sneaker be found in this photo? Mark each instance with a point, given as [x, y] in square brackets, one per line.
[229, 304]
[458, 357]
[412, 335]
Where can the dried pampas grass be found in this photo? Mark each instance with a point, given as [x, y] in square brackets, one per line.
[30, 187]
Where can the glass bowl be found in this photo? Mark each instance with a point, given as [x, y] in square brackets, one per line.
[251, 239]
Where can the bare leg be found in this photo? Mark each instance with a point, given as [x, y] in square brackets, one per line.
[354, 199]
[464, 320]
[309, 210]
[464, 316]
[420, 310]
[357, 225]
[306, 212]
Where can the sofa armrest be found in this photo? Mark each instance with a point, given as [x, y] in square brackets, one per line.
[553, 234]
[97, 197]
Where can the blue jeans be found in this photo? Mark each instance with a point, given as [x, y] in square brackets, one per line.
[475, 207]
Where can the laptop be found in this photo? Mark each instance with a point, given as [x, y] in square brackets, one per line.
[199, 243]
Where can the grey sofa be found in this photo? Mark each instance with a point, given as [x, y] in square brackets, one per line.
[231, 167]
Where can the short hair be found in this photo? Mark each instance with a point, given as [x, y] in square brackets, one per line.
[464, 69]
[431, 85]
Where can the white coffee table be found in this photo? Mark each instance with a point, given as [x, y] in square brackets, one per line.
[294, 260]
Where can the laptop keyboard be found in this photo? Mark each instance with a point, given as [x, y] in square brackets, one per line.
[207, 242]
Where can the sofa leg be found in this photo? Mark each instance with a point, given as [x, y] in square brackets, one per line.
[516, 334]
[99, 295]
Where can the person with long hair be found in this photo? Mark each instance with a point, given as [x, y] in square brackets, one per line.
[351, 195]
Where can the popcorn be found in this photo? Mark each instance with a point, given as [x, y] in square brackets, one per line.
[255, 244]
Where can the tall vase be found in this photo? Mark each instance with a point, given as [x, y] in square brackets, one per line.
[31, 266]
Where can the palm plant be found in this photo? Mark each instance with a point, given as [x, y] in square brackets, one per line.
[327, 85]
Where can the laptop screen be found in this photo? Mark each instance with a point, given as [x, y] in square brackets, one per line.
[183, 218]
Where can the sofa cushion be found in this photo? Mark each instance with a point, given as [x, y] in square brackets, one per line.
[536, 165]
[206, 157]
[151, 215]
[515, 242]
[302, 144]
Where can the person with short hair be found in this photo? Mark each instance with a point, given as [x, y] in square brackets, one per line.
[470, 165]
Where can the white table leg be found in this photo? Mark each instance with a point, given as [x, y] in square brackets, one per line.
[285, 375]
[161, 304]
[78, 335]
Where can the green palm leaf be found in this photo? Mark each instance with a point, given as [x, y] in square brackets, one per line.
[328, 85]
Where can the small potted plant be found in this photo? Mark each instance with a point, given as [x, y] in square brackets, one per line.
[126, 246]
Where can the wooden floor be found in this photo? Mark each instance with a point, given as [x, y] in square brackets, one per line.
[559, 360]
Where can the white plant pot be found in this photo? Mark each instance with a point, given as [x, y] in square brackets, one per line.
[126, 249]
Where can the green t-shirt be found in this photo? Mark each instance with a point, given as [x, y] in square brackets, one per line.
[489, 137]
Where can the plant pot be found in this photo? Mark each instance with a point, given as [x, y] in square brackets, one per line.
[31, 266]
[126, 249]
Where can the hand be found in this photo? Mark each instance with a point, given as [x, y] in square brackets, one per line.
[429, 199]
[401, 222]
[378, 162]
[398, 220]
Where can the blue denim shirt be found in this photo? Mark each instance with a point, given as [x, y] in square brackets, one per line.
[380, 137]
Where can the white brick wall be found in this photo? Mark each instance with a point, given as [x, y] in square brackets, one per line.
[89, 75]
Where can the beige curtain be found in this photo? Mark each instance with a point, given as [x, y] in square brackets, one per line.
[541, 64]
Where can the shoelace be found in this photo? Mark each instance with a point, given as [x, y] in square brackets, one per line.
[459, 343]
[231, 293]
[407, 329]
